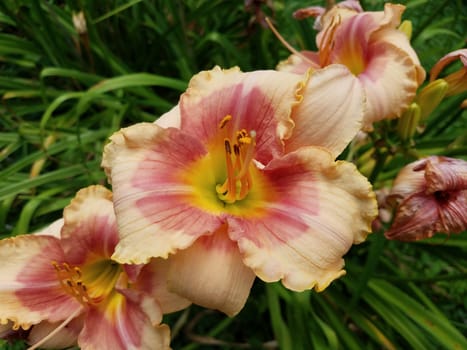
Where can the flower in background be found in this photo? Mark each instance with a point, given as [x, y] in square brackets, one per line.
[431, 196]
[49, 283]
[240, 180]
[374, 50]
[457, 81]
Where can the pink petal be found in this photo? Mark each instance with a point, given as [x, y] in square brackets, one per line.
[211, 273]
[124, 324]
[420, 216]
[321, 208]
[153, 281]
[445, 174]
[152, 200]
[259, 100]
[90, 226]
[29, 289]
[446, 60]
[331, 112]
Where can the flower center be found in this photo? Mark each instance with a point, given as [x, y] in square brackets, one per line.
[239, 153]
[91, 284]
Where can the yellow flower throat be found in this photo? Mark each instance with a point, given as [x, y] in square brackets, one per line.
[239, 154]
[91, 284]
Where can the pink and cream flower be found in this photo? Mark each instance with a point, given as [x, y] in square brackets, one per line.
[431, 197]
[374, 50]
[49, 282]
[241, 181]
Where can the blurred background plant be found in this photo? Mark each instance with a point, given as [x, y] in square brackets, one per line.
[73, 72]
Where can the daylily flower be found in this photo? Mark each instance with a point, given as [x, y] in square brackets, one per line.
[457, 81]
[231, 185]
[49, 282]
[431, 194]
[374, 50]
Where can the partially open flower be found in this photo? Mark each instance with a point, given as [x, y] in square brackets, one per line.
[245, 185]
[49, 282]
[379, 55]
[431, 196]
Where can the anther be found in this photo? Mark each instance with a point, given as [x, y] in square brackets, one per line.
[228, 149]
[224, 121]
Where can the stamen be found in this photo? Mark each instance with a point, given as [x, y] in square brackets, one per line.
[249, 154]
[71, 282]
[285, 43]
[224, 121]
[238, 180]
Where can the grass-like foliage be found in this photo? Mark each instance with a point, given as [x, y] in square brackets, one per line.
[64, 91]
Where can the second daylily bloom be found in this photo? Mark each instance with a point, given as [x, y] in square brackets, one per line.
[236, 190]
[49, 280]
[374, 50]
[431, 196]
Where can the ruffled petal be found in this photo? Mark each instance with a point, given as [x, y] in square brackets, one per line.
[29, 289]
[151, 199]
[376, 52]
[259, 100]
[125, 322]
[321, 208]
[389, 80]
[445, 174]
[90, 227]
[211, 273]
[331, 113]
[153, 281]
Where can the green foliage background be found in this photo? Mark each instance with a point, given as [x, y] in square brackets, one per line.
[64, 93]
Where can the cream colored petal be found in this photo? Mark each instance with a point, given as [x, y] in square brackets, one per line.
[151, 199]
[170, 119]
[409, 180]
[390, 83]
[153, 281]
[211, 273]
[259, 100]
[322, 207]
[301, 63]
[29, 289]
[65, 338]
[331, 113]
[53, 229]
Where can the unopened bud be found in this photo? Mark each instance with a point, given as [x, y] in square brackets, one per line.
[431, 96]
[406, 28]
[408, 122]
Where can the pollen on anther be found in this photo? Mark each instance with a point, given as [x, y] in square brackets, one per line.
[224, 121]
